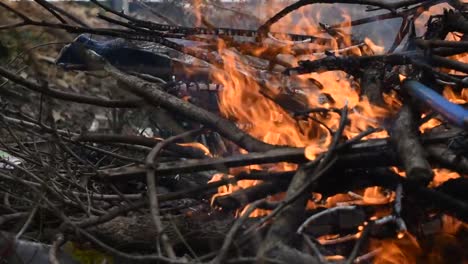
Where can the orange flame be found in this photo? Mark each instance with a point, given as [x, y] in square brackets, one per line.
[256, 101]
[404, 250]
[443, 175]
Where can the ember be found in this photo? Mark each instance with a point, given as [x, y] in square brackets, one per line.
[251, 131]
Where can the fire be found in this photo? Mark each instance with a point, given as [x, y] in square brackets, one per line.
[255, 100]
[433, 122]
[451, 225]
[242, 100]
[454, 97]
[197, 145]
[444, 247]
[404, 250]
[377, 49]
[443, 175]
[376, 195]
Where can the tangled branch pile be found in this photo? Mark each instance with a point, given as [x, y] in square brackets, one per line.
[294, 141]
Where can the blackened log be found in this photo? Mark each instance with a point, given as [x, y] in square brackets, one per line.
[352, 64]
[448, 158]
[456, 21]
[441, 43]
[405, 138]
[283, 230]
[137, 232]
[448, 63]
[201, 230]
[286, 254]
[455, 188]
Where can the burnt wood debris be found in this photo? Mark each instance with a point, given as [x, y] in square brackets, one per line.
[171, 167]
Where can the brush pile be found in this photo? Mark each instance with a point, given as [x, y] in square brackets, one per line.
[306, 136]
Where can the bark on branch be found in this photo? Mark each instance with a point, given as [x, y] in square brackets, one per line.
[152, 94]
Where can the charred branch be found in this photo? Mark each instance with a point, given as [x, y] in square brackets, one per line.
[404, 137]
[448, 158]
[363, 154]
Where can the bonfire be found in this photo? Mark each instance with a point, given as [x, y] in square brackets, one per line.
[245, 132]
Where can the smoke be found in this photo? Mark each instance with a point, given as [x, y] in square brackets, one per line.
[251, 14]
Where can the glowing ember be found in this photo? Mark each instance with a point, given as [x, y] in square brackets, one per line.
[443, 175]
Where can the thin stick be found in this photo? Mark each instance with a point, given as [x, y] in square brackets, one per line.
[233, 231]
[364, 235]
[27, 223]
[151, 185]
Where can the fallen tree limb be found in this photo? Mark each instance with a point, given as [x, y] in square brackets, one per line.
[127, 232]
[138, 232]
[405, 138]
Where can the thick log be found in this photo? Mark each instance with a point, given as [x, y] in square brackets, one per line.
[448, 158]
[405, 138]
[200, 227]
[286, 254]
[456, 21]
[201, 230]
[283, 229]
